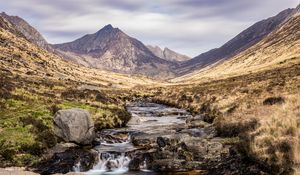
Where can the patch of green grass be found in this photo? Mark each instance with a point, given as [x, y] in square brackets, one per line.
[17, 141]
[26, 121]
[16, 109]
[25, 131]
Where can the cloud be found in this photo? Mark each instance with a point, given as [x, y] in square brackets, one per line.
[188, 26]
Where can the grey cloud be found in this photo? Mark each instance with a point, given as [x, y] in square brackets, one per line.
[188, 26]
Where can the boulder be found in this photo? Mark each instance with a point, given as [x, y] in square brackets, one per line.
[74, 125]
[162, 142]
[134, 164]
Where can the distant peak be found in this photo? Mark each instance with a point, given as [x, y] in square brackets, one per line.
[109, 26]
[3, 14]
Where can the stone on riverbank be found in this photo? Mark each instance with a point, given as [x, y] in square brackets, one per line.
[74, 125]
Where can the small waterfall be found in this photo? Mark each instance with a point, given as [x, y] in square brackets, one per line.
[110, 163]
[143, 166]
[76, 167]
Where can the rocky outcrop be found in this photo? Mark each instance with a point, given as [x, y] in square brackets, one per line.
[74, 125]
[168, 54]
[65, 162]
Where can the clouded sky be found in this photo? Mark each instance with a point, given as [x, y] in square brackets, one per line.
[187, 26]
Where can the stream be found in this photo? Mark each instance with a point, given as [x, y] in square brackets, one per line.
[116, 144]
[158, 138]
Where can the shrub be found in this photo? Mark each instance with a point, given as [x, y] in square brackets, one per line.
[273, 100]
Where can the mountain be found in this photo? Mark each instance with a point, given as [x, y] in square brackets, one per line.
[25, 60]
[241, 42]
[279, 49]
[113, 50]
[27, 30]
[167, 54]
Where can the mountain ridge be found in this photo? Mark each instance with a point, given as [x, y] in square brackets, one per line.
[27, 30]
[239, 43]
[280, 48]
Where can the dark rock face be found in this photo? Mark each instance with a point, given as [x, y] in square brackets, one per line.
[162, 142]
[74, 125]
[241, 42]
[111, 49]
[167, 54]
[27, 30]
[64, 162]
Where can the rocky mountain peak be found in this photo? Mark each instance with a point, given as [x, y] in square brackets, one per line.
[112, 49]
[108, 27]
[167, 54]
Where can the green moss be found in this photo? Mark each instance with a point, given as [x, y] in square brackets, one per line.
[104, 115]
[16, 141]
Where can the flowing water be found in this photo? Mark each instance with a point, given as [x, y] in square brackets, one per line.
[116, 148]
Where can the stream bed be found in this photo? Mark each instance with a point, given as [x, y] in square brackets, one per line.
[158, 138]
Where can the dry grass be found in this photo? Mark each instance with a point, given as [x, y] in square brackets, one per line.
[269, 134]
[261, 108]
[276, 141]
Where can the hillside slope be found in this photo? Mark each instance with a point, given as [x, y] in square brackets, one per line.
[281, 48]
[241, 42]
[27, 30]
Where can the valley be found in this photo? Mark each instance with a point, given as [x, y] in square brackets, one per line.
[232, 110]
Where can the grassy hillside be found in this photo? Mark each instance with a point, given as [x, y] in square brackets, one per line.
[262, 109]
[253, 96]
[279, 49]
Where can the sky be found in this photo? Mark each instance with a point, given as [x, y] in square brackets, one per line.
[189, 27]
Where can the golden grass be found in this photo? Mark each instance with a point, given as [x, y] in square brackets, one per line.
[275, 140]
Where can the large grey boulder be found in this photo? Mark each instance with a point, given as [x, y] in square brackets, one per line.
[74, 125]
